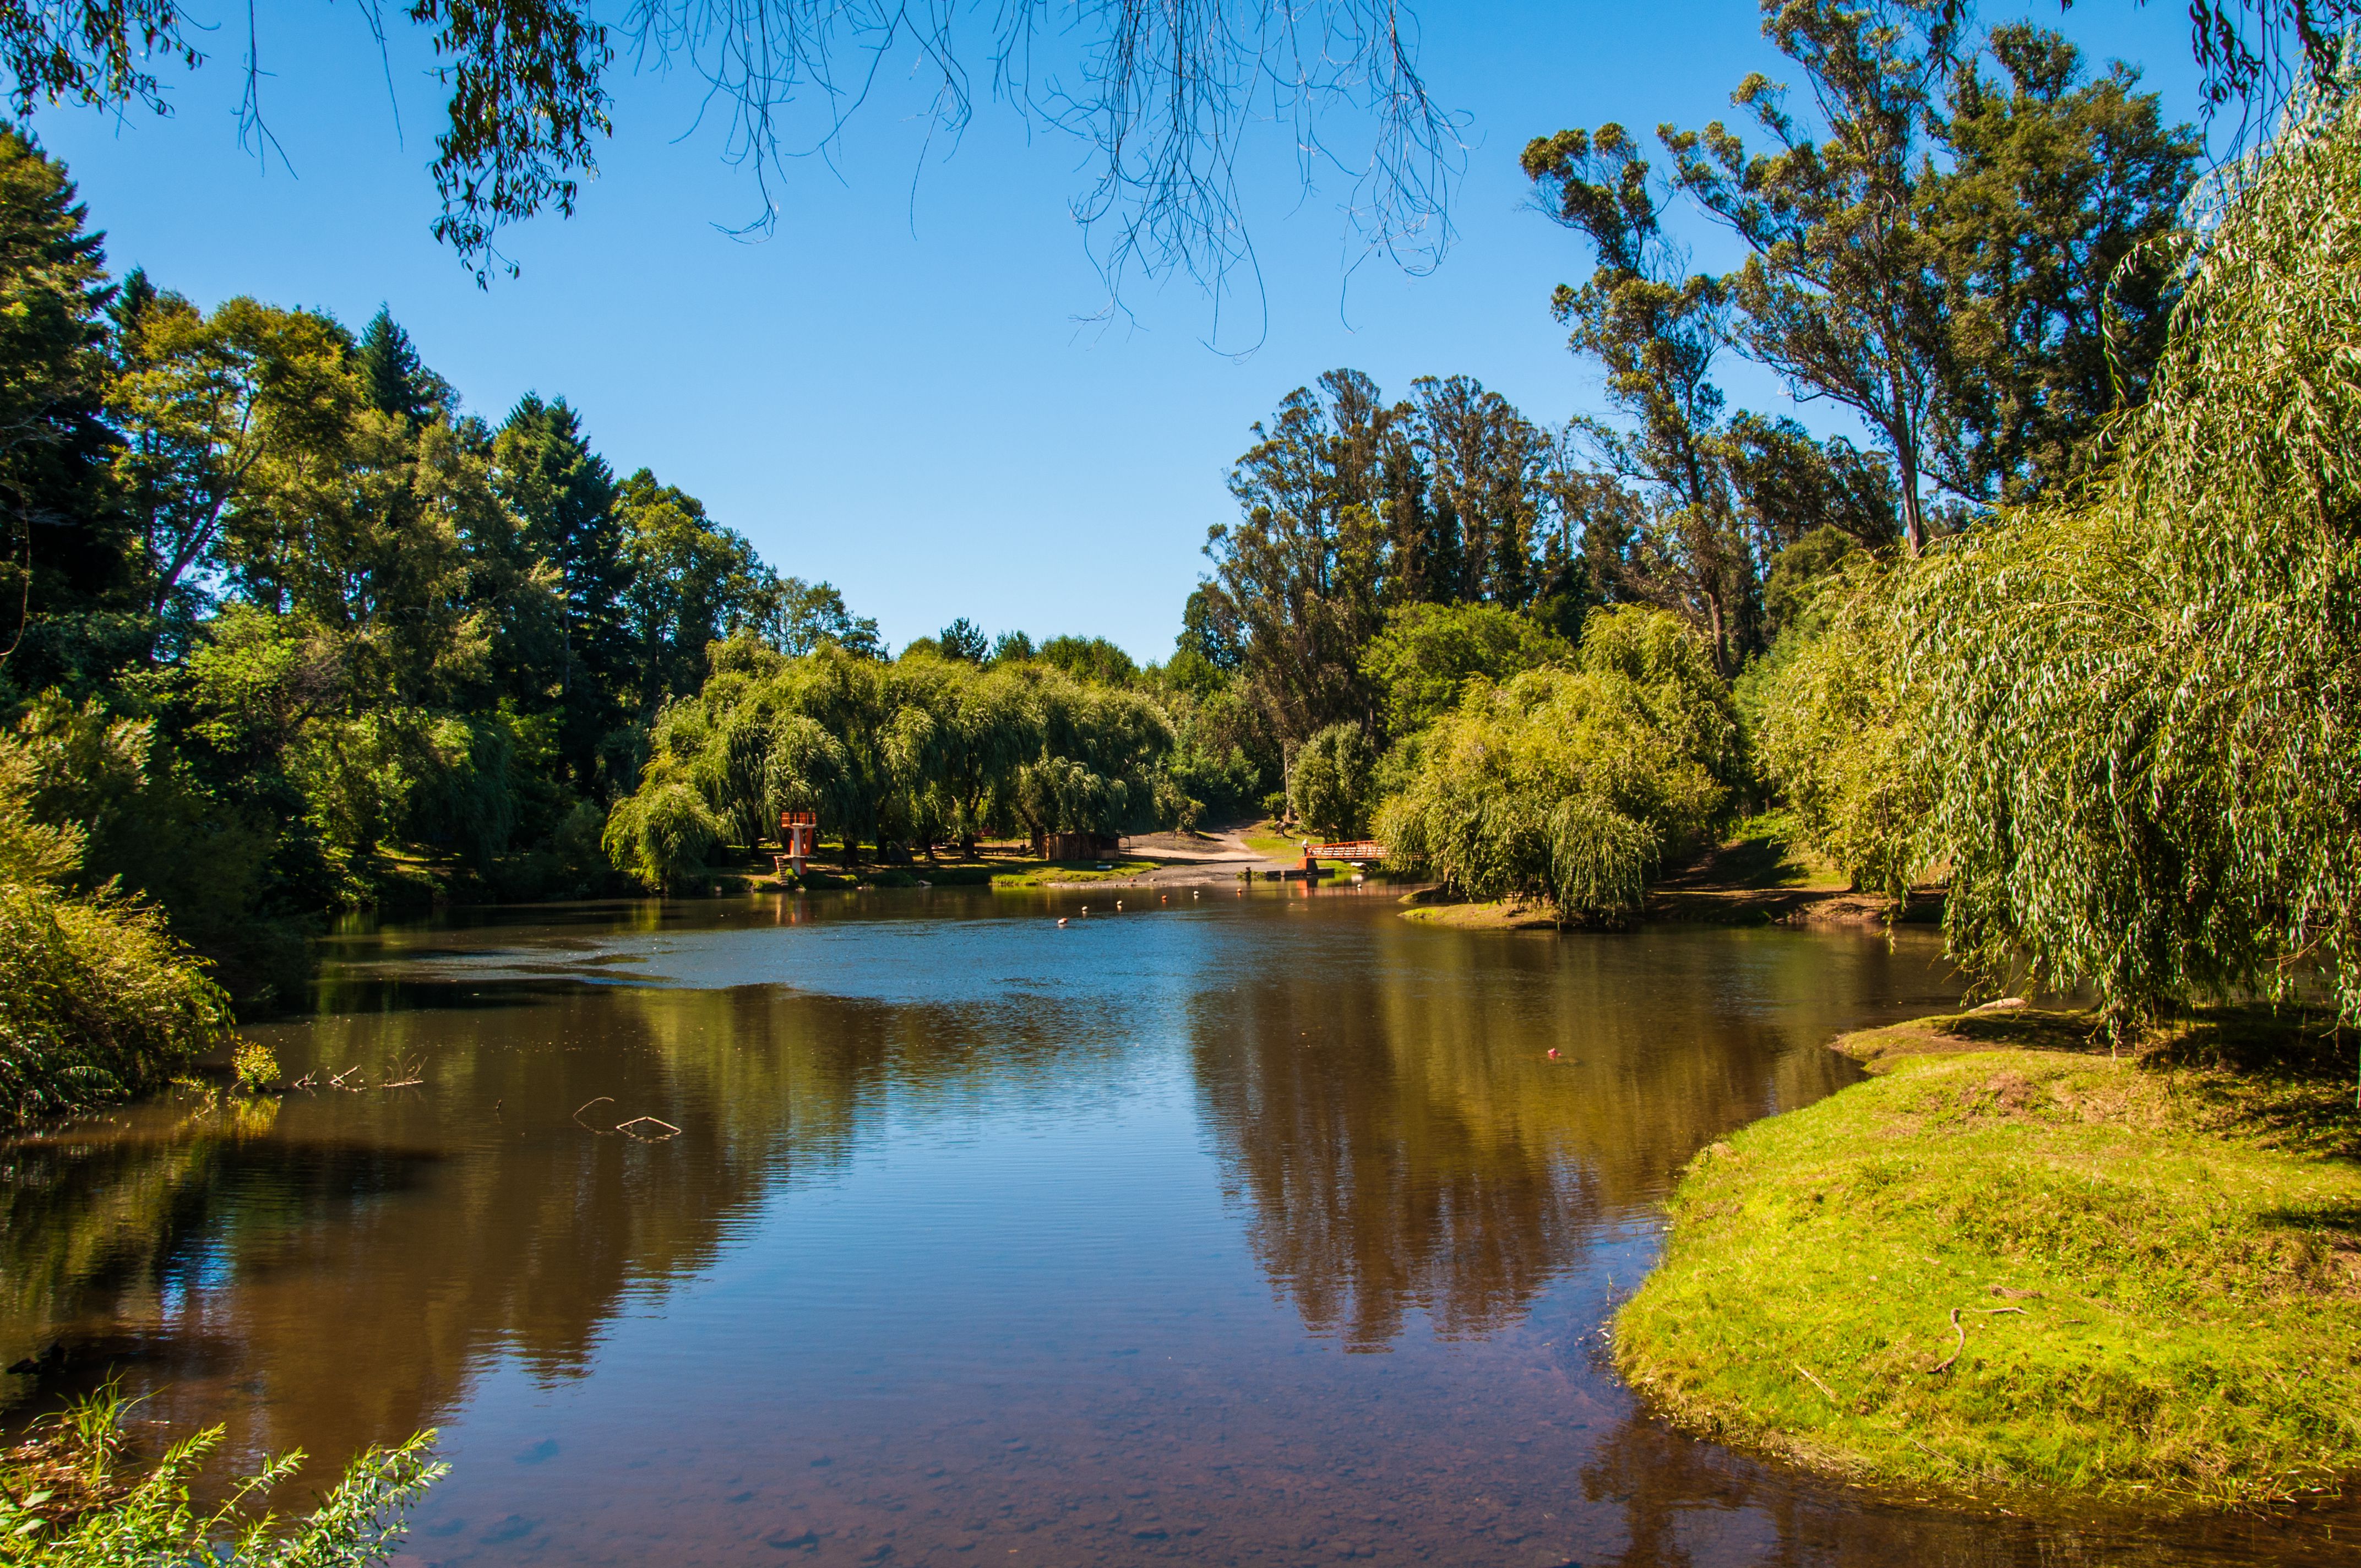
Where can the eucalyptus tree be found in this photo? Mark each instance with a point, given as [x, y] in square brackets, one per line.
[1841, 293]
[1980, 275]
[1299, 574]
[2056, 225]
[1656, 334]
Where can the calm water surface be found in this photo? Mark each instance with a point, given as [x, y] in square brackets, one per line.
[1223, 1230]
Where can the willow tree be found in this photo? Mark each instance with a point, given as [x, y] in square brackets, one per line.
[2139, 711]
[1571, 785]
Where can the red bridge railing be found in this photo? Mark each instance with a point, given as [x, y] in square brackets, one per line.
[1358, 851]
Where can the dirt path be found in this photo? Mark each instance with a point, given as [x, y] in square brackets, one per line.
[1221, 847]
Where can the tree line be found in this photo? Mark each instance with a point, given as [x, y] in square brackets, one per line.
[2067, 626]
[284, 629]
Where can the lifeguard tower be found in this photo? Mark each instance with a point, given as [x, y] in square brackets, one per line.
[799, 831]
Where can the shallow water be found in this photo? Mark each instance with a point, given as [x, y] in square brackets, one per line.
[1221, 1230]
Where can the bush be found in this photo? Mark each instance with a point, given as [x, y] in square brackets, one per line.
[1428, 653]
[1832, 728]
[1570, 785]
[97, 1003]
[662, 835]
[73, 1509]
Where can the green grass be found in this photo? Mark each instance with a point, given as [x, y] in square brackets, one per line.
[71, 1496]
[1265, 839]
[2180, 1234]
[1046, 873]
[1056, 872]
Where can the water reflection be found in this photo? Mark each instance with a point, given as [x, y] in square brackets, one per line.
[981, 1238]
[1403, 1141]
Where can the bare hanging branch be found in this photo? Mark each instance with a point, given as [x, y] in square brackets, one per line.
[1163, 91]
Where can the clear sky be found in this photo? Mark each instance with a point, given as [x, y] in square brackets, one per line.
[902, 391]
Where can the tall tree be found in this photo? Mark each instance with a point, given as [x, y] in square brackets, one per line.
[204, 402]
[1841, 294]
[565, 495]
[690, 582]
[2053, 230]
[1300, 573]
[1657, 333]
[393, 377]
[63, 547]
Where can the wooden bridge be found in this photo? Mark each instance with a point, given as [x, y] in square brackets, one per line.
[1354, 851]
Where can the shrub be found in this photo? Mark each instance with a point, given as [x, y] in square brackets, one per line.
[97, 1003]
[661, 835]
[255, 1067]
[1429, 652]
[73, 1510]
[1832, 726]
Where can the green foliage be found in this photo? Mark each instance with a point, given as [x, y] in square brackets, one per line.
[964, 640]
[1350, 507]
[813, 615]
[1428, 652]
[1093, 660]
[97, 1003]
[1570, 785]
[1834, 728]
[660, 835]
[1330, 788]
[254, 1067]
[893, 754]
[118, 1522]
[2139, 709]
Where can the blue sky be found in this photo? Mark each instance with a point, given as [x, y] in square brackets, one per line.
[902, 390]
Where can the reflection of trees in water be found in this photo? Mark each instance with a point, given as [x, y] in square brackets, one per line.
[1403, 1141]
[368, 1252]
[1370, 1194]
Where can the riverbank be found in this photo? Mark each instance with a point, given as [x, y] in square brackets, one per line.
[1758, 876]
[2010, 1266]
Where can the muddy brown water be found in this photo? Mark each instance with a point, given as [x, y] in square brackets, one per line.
[1223, 1230]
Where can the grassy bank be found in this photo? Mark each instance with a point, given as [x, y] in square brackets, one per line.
[2153, 1265]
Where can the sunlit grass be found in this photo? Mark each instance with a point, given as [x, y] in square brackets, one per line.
[2155, 1265]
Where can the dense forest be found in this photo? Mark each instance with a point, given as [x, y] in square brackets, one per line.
[2066, 624]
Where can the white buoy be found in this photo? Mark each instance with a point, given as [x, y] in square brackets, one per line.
[1061, 922]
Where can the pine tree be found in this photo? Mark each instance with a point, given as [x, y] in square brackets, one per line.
[395, 379]
[566, 497]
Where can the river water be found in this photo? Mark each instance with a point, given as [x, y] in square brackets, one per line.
[1228, 1228]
